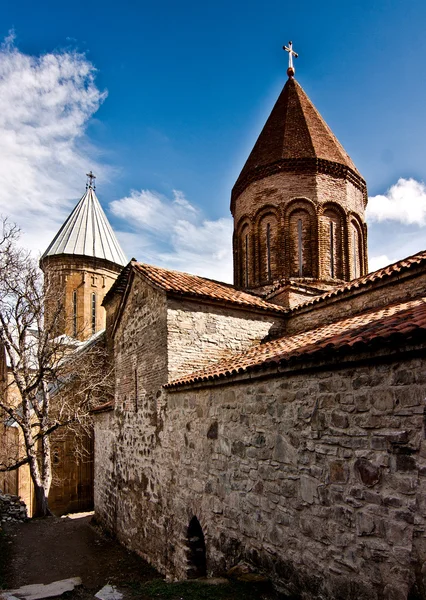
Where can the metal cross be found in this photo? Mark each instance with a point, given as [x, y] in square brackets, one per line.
[291, 53]
[90, 180]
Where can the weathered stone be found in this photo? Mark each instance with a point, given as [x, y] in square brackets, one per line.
[368, 473]
[339, 472]
[339, 419]
[308, 488]
[364, 524]
[283, 451]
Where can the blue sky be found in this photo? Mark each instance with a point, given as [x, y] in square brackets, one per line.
[178, 96]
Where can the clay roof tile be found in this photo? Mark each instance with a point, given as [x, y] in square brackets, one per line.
[375, 327]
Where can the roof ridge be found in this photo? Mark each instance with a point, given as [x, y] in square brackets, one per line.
[186, 284]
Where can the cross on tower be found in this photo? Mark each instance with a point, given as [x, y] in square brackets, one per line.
[291, 70]
[90, 180]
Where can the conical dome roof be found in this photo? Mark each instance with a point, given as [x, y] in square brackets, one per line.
[295, 137]
[87, 232]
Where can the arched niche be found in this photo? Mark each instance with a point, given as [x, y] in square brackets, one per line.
[197, 559]
[244, 246]
[301, 239]
[356, 248]
[267, 246]
[333, 242]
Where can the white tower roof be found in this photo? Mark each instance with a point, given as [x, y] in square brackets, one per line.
[87, 232]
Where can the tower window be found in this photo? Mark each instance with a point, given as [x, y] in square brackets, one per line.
[246, 277]
[299, 246]
[93, 313]
[332, 249]
[355, 256]
[268, 251]
[74, 313]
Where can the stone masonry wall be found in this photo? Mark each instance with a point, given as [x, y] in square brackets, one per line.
[318, 477]
[400, 289]
[129, 482]
[105, 489]
[199, 334]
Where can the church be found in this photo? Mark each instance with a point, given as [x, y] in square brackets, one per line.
[278, 421]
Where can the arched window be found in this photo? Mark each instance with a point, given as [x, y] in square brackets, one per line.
[93, 312]
[244, 256]
[74, 313]
[332, 244]
[267, 252]
[300, 244]
[356, 250]
[246, 260]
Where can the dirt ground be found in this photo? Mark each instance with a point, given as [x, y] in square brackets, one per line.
[47, 550]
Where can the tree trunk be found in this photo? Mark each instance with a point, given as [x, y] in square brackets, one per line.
[41, 503]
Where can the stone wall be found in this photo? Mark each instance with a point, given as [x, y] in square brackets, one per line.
[396, 289]
[199, 333]
[105, 488]
[156, 339]
[317, 476]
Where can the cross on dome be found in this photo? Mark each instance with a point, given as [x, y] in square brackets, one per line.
[90, 180]
[291, 70]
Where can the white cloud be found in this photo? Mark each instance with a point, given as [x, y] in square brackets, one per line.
[173, 233]
[404, 202]
[45, 104]
[377, 262]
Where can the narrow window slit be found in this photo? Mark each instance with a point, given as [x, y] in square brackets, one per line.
[247, 261]
[300, 249]
[354, 244]
[93, 313]
[74, 313]
[268, 251]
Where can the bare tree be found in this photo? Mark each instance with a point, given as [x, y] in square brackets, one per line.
[52, 381]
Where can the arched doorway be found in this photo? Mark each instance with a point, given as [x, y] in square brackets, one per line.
[197, 565]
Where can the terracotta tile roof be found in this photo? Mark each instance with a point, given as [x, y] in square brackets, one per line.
[295, 131]
[392, 270]
[186, 285]
[399, 321]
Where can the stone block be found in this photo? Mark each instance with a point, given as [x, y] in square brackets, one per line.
[308, 489]
[339, 419]
[338, 472]
[283, 451]
[367, 472]
[365, 524]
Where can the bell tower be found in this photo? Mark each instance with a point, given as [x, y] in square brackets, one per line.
[298, 206]
[80, 265]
